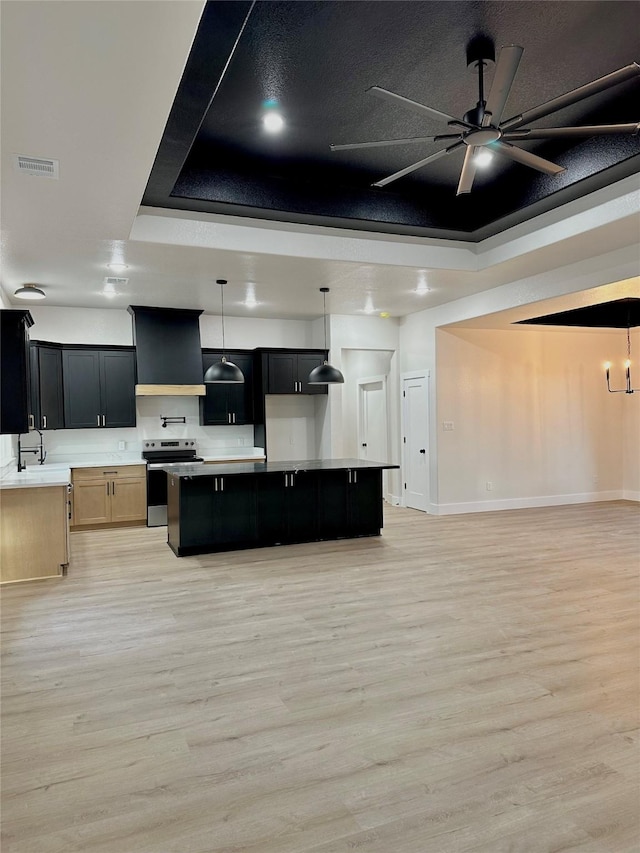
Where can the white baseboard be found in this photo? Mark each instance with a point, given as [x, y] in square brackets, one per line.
[630, 496]
[526, 503]
[394, 500]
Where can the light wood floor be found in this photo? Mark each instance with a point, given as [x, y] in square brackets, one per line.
[467, 683]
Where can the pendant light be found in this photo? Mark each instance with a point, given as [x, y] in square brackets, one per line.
[627, 365]
[325, 374]
[223, 371]
[29, 291]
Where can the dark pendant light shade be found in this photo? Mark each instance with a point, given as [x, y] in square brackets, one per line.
[223, 371]
[325, 374]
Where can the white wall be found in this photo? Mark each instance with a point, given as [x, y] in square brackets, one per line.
[532, 416]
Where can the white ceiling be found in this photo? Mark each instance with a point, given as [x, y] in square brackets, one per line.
[91, 85]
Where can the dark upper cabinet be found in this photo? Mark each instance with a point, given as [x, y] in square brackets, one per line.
[287, 372]
[47, 397]
[99, 387]
[232, 403]
[15, 397]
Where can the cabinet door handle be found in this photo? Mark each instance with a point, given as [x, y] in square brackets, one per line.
[286, 481]
[234, 417]
[222, 484]
[349, 473]
[98, 416]
[32, 422]
[228, 418]
[113, 488]
[107, 488]
[215, 484]
[104, 420]
[355, 476]
[44, 422]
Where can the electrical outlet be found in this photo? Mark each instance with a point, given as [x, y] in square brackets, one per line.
[447, 426]
[122, 445]
[489, 486]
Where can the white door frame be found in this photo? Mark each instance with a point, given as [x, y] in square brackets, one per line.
[415, 374]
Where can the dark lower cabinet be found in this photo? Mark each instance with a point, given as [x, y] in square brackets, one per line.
[221, 513]
[350, 503]
[205, 510]
[287, 507]
[47, 396]
[99, 387]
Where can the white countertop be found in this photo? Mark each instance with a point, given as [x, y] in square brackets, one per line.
[58, 472]
[37, 476]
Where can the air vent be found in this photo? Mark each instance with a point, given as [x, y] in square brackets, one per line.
[37, 166]
[110, 281]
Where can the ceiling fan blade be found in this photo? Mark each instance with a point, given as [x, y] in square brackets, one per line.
[503, 78]
[568, 132]
[572, 97]
[418, 165]
[468, 172]
[527, 158]
[412, 105]
[394, 141]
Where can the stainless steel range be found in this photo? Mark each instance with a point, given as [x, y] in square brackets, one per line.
[158, 452]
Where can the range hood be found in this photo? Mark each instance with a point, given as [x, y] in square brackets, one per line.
[168, 351]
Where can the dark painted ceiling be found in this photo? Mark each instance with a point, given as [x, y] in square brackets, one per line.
[617, 314]
[317, 59]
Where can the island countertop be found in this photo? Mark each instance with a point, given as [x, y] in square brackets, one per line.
[197, 469]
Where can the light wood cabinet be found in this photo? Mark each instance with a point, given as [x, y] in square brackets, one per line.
[34, 530]
[109, 496]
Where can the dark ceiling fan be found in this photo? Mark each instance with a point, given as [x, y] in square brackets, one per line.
[482, 128]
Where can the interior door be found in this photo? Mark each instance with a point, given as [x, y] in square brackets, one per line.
[372, 419]
[415, 399]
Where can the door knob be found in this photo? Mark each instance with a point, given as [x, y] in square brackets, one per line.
[364, 445]
[423, 450]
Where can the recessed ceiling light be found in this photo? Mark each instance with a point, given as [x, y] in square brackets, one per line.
[273, 122]
[30, 291]
[117, 267]
[422, 287]
[369, 307]
[482, 157]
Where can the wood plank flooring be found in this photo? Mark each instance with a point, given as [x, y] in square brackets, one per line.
[465, 683]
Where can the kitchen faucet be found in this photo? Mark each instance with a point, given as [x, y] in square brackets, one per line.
[36, 450]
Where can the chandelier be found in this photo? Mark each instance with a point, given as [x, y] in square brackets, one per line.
[627, 366]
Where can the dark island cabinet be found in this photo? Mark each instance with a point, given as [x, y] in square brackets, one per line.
[202, 510]
[287, 372]
[263, 505]
[15, 397]
[47, 396]
[287, 507]
[350, 503]
[228, 404]
[99, 387]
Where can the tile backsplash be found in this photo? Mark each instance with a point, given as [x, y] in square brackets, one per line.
[61, 444]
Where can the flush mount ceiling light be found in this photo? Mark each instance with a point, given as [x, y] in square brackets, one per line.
[30, 291]
[223, 371]
[325, 374]
[483, 126]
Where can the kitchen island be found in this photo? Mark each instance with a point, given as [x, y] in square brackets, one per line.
[272, 503]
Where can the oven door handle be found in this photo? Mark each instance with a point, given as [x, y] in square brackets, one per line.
[156, 466]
